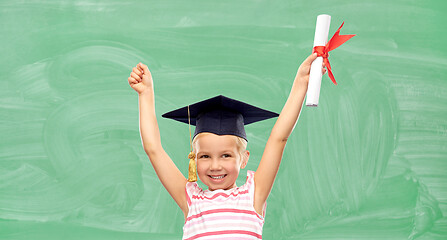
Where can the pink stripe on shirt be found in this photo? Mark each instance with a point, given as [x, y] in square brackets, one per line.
[232, 210]
[219, 195]
[222, 219]
[225, 232]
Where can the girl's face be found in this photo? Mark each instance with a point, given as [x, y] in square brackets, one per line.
[218, 160]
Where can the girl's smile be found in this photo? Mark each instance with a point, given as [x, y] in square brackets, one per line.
[217, 178]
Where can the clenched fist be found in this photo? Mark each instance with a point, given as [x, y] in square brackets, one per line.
[141, 79]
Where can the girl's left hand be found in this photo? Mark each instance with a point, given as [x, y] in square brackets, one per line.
[302, 76]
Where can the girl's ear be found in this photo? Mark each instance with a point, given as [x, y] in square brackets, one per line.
[245, 158]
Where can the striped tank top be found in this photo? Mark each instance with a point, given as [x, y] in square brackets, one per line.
[223, 214]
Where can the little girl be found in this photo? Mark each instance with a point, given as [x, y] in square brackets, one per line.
[223, 211]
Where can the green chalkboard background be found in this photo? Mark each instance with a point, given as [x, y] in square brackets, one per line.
[370, 162]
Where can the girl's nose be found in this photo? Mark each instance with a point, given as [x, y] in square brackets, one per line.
[215, 165]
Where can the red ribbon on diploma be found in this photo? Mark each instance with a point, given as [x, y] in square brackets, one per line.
[335, 42]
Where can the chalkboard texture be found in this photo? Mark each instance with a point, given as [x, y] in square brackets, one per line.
[370, 162]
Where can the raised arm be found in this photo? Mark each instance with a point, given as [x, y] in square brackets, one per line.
[269, 165]
[168, 173]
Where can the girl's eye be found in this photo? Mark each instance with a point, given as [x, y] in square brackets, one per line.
[204, 156]
[226, 155]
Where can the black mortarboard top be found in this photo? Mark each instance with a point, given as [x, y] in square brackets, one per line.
[220, 115]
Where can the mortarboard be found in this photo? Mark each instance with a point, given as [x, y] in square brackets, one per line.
[219, 115]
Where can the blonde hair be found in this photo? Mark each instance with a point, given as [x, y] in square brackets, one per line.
[241, 143]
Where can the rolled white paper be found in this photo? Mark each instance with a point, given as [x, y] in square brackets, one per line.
[320, 39]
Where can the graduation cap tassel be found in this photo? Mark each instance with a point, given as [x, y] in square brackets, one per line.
[192, 172]
[192, 175]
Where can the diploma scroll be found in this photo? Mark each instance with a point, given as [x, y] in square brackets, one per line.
[320, 39]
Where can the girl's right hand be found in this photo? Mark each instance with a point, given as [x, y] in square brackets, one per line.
[141, 79]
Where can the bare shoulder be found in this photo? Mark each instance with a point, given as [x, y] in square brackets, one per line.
[259, 200]
[184, 202]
